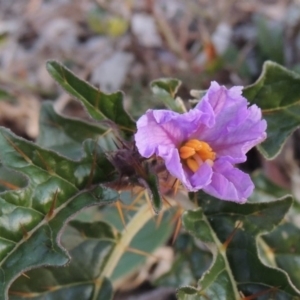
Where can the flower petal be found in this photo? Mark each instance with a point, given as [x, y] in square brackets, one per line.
[229, 183]
[237, 128]
[166, 128]
[173, 163]
[155, 129]
[224, 121]
[201, 178]
[216, 96]
[192, 181]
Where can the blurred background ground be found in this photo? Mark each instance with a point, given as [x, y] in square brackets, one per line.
[124, 44]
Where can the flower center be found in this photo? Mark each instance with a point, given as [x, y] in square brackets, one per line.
[194, 153]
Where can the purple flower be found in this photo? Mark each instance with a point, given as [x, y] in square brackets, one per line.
[200, 147]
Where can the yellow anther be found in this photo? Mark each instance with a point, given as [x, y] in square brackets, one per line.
[195, 152]
[192, 164]
[186, 152]
[197, 145]
[207, 154]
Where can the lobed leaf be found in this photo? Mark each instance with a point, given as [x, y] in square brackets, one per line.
[231, 231]
[217, 282]
[265, 190]
[65, 135]
[280, 248]
[284, 250]
[277, 93]
[165, 89]
[52, 189]
[92, 248]
[153, 233]
[191, 261]
[99, 105]
[78, 280]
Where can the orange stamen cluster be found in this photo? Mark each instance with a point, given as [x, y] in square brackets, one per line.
[194, 153]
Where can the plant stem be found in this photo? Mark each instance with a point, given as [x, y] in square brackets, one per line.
[143, 215]
[187, 205]
[222, 252]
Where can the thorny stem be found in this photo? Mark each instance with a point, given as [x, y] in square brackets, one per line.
[143, 215]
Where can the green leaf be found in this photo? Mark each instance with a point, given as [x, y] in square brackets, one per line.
[218, 282]
[32, 216]
[92, 248]
[78, 280]
[99, 105]
[65, 135]
[281, 124]
[190, 263]
[275, 89]
[149, 236]
[10, 180]
[265, 190]
[95, 230]
[284, 249]
[150, 182]
[165, 89]
[237, 266]
[6, 96]
[277, 93]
